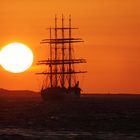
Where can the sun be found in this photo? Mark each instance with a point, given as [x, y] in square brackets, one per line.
[16, 57]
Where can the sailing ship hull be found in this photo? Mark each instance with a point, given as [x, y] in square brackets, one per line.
[57, 93]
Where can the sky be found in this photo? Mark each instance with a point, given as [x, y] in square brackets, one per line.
[111, 34]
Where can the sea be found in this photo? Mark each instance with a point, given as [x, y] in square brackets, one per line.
[25, 116]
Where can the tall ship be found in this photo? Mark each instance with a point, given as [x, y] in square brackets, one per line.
[60, 76]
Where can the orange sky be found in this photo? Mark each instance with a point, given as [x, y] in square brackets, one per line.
[110, 28]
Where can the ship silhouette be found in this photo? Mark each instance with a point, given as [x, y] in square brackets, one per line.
[60, 79]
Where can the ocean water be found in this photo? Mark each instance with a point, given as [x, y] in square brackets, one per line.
[93, 117]
[23, 134]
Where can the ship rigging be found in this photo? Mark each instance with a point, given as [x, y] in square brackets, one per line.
[61, 72]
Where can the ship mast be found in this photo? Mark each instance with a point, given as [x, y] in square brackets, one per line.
[56, 50]
[70, 57]
[61, 62]
[51, 58]
[63, 52]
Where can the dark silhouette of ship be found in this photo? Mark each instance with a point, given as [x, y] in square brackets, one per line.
[61, 82]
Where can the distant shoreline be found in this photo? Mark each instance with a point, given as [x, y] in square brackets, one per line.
[86, 94]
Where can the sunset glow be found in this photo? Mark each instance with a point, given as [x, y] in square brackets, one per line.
[111, 34]
[16, 57]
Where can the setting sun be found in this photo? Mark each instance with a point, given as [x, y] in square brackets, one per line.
[16, 57]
